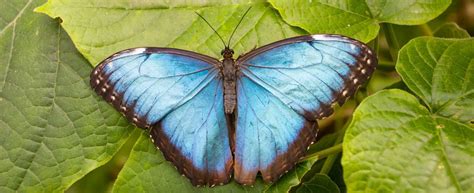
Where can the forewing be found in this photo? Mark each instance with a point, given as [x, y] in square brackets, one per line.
[165, 90]
[304, 75]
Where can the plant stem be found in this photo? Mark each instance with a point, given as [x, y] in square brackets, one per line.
[426, 30]
[327, 166]
[391, 40]
[325, 152]
[386, 66]
[329, 162]
[375, 45]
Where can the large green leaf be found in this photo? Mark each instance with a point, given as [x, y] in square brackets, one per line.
[357, 18]
[100, 28]
[53, 128]
[441, 72]
[396, 144]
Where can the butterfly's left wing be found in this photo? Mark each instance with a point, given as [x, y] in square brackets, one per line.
[178, 96]
[282, 89]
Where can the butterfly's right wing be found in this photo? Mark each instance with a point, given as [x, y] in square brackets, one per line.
[178, 95]
[282, 89]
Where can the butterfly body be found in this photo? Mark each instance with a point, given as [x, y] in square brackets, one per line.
[229, 74]
[214, 119]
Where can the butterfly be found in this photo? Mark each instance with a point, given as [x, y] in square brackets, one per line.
[217, 118]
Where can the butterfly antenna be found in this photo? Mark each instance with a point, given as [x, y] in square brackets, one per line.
[235, 29]
[222, 40]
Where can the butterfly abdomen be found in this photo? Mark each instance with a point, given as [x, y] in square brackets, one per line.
[230, 97]
[230, 94]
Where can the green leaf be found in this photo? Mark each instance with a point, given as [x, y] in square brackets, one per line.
[441, 73]
[451, 30]
[54, 129]
[329, 17]
[394, 144]
[100, 28]
[409, 12]
[357, 18]
[320, 183]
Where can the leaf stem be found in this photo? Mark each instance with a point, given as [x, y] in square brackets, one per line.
[325, 152]
[374, 44]
[392, 40]
[386, 66]
[426, 30]
[327, 166]
[329, 162]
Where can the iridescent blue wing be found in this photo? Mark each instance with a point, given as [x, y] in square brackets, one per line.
[178, 96]
[283, 88]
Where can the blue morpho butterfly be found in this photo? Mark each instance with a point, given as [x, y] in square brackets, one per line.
[257, 113]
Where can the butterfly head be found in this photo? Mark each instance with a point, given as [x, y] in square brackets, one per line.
[227, 52]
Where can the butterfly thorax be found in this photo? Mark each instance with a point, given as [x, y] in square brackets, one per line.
[229, 73]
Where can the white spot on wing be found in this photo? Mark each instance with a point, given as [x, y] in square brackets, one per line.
[344, 93]
[137, 51]
[329, 37]
[323, 37]
[353, 47]
[128, 53]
